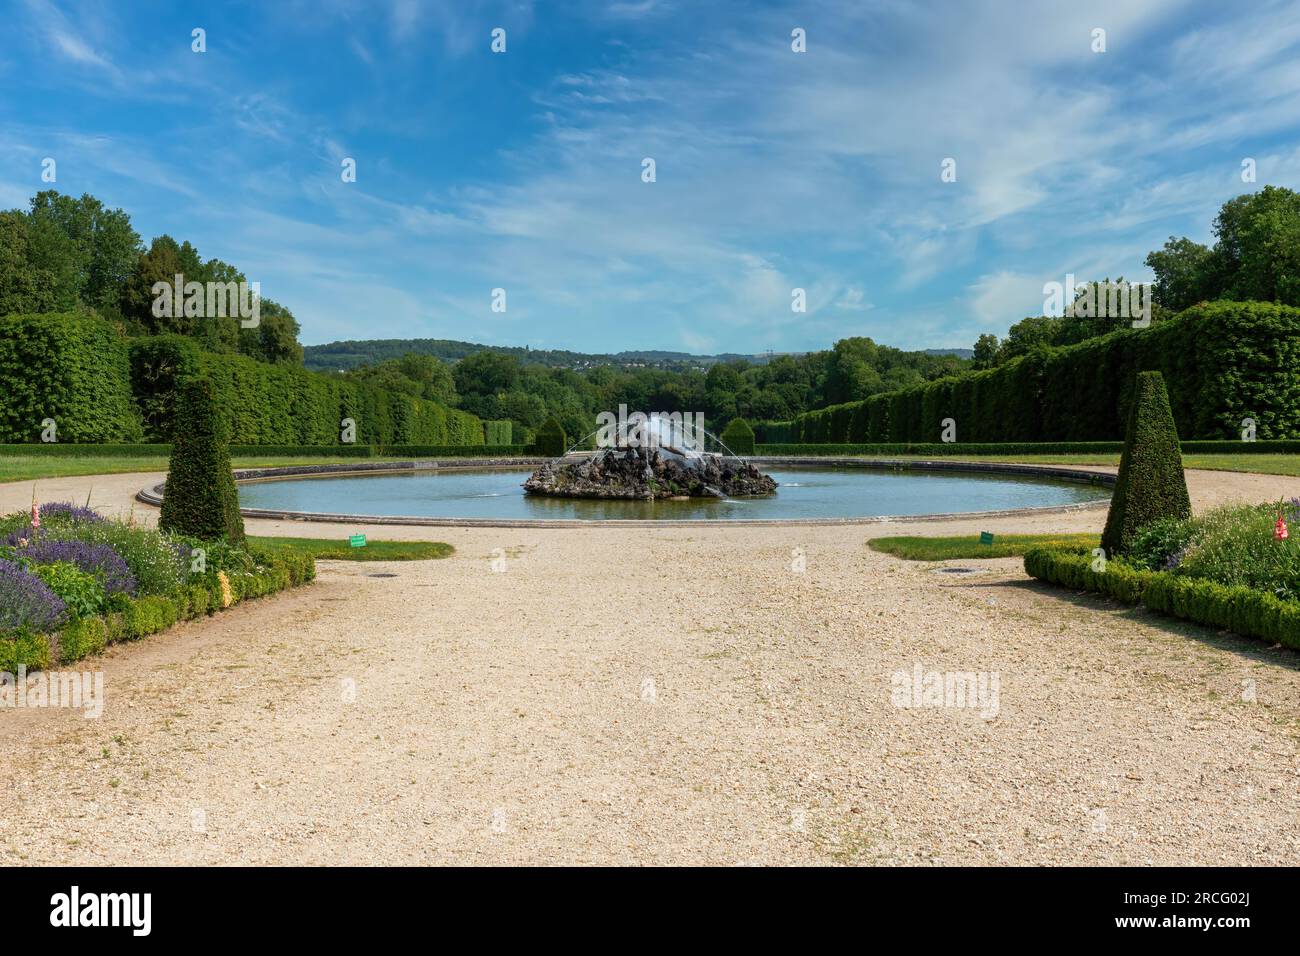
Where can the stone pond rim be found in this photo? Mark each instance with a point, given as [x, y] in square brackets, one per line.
[152, 494]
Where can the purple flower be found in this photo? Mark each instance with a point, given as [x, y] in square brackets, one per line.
[66, 509]
[17, 539]
[97, 559]
[1293, 511]
[25, 601]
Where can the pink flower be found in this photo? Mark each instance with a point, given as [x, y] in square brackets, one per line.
[36, 515]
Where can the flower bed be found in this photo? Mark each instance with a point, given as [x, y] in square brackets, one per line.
[1234, 568]
[72, 582]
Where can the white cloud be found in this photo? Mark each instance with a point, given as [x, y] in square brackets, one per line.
[1003, 298]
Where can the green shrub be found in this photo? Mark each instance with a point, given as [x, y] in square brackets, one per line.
[738, 437]
[1242, 610]
[24, 649]
[1150, 485]
[148, 615]
[200, 499]
[200, 599]
[80, 590]
[82, 638]
[550, 440]
[1159, 543]
[66, 367]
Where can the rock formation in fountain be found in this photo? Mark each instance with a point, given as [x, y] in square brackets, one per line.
[649, 473]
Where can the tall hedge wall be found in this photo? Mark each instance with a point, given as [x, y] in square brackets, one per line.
[288, 405]
[67, 367]
[498, 432]
[100, 387]
[1222, 362]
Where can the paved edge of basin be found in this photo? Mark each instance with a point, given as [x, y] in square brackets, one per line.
[153, 494]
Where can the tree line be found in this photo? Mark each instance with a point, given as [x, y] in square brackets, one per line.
[1255, 257]
[65, 254]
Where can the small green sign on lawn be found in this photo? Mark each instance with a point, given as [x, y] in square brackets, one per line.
[357, 540]
[986, 537]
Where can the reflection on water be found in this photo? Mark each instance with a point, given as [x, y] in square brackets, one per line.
[804, 493]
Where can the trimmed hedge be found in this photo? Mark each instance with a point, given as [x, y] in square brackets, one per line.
[454, 451]
[1222, 361]
[100, 387]
[932, 449]
[286, 404]
[1150, 484]
[29, 650]
[71, 368]
[774, 433]
[301, 451]
[164, 450]
[143, 616]
[738, 437]
[550, 440]
[1241, 610]
[498, 432]
[938, 449]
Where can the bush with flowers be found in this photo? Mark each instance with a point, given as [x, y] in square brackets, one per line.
[73, 581]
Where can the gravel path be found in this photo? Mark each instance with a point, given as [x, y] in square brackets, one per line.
[666, 696]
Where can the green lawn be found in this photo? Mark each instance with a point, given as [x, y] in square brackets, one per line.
[28, 467]
[915, 548]
[339, 549]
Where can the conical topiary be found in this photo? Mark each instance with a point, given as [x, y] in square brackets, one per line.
[200, 499]
[738, 436]
[1151, 484]
[550, 440]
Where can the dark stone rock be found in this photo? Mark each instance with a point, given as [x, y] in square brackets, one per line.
[649, 474]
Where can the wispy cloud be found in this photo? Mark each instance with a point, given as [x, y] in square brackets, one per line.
[774, 169]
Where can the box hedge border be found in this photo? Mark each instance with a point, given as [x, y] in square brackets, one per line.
[153, 613]
[1235, 608]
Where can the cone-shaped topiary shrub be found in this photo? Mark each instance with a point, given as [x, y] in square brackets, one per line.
[738, 436]
[200, 498]
[1150, 483]
[550, 441]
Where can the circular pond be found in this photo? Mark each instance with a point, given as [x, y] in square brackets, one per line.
[804, 494]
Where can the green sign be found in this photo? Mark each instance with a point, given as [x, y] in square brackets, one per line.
[357, 541]
[986, 537]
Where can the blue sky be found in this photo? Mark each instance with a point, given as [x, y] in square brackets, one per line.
[775, 169]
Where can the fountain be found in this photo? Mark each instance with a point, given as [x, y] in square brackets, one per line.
[651, 457]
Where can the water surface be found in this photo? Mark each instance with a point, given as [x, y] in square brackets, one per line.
[804, 493]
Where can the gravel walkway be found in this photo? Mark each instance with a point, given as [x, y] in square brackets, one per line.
[666, 696]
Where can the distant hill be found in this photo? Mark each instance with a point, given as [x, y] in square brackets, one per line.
[350, 354]
[960, 353]
[347, 355]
